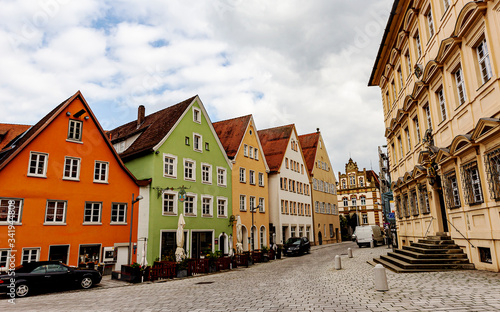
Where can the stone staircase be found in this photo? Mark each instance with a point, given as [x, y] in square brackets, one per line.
[434, 253]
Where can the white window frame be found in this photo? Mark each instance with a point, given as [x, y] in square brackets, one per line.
[221, 176]
[6, 201]
[38, 167]
[419, 45]
[73, 135]
[119, 207]
[250, 152]
[197, 142]
[173, 201]
[363, 200]
[408, 139]
[243, 202]
[442, 103]
[430, 23]
[204, 171]
[446, 4]
[224, 200]
[256, 153]
[5, 254]
[195, 206]
[262, 205]
[92, 215]
[196, 115]
[417, 129]
[171, 166]
[460, 85]
[261, 179]
[193, 169]
[251, 175]
[210, 206]
[54, 222]
[98, 170]
[243, 175]
[29, 252]
[72, 163]
[428, 116]
[251, 203]
[483, 58]
[408, 63]
[245, 150]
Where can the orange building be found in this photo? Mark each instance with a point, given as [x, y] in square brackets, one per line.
[64, 192]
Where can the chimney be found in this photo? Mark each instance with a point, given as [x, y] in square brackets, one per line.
[317, 130]
[140, 115]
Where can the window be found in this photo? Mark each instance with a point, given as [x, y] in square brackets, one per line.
[206, 206]
[365, 218]
[71, 168]
[400, 75]
[38, 164]
[430, 23]
[30, 255]
[55, 211]
[262, 207]
[408, 63]
[261, 179]
[221, 176]
[245, 150]
[186, 140]
[285, 181]
[286, 206]
[416, 127]
[243, 175]
[118, 213]
[252, 177]
[207, 146]
[459, 82]
[196, 115]
[316, 207]
[424, 198]
[398, 207]
[408, 139]
[442, 103]
[346, 201]
[189, 170]
[428, 116]
[343, 184]
[301, 231]
[446, 4]
[292, 231]
[451, 190]
[414, 202]
[75, 130]
[286, 162]
[353, 201]
[92, 212]
[394, 92]
[169, 203]
[170, 166]
[471, 183]
[12, 205]
[492, 161]
[483, 57]
[190, 205]
[256, 153]
[252, 203]
[243, 203]
[401, 152]
[101, 171]
[250, 152]
[418, 45]
[405, 205]
[262, 236]
[352, 180]
[197, 142]
[221, 207]
[363, 201]
[4, 258]
[282, 206]
[206, 173]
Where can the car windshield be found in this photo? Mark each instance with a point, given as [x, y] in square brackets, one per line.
[293, 241]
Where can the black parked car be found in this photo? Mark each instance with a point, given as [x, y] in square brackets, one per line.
[47, 275]
[296, 246]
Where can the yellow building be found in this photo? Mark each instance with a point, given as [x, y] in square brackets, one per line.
[326, 223]
[250, 179]
[438, 75]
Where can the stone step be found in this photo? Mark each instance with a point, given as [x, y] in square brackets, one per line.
[397, 269]
[437, 242]
[431, 255]
[434, 250]
[439, 237]
[427, 266]
[435, 246]
[412, 260]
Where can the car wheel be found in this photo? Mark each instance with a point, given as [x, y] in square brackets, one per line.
[22, 290]
[86, 282]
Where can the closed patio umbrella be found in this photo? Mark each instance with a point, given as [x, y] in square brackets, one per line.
[179, 252]
[239, 235]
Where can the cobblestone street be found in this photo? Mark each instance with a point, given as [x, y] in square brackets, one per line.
[307, 283]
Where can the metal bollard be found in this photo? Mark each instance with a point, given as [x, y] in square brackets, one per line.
[372, 244]
[338, 264]
[349, 252]
[380, 278]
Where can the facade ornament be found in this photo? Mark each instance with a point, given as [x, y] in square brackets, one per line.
[419, 70]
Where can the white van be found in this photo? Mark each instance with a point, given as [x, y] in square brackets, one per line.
[367, 233]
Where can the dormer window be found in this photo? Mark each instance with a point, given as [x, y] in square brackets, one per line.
[196, 115]
[75, 130]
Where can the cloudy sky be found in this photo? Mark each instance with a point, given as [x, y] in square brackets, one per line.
[302, 62]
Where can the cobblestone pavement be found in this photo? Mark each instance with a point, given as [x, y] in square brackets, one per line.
[307, 283]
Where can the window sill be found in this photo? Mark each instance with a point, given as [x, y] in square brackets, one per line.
[91, 223]
[74, 141]
[170, 176]
[206, 182]
[222, 185]
[207, 216]
[37, 176]
[190, 215]
[222, 217]
[243, 181]
[101, 182]
[70, 179]
[118, 223]
[169, 214]
[189, 180]
[54, 223]
[8, 223]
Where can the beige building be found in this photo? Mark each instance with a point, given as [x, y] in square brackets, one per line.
[324, 191]
[359, 193]
[438, 75]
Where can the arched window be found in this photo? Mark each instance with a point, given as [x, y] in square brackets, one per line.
[262, 236]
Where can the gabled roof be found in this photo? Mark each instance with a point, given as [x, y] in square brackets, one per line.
[15, 148]
[154, 128]
[371, 174]
[231, 133]
[309, 145]
[8, 132]
[274, 143]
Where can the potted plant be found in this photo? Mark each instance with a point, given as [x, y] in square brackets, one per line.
[136, 273]
[212, 259]
[181, 268]
[265, 253]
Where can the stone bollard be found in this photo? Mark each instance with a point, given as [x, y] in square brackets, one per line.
[338, 263]
[372, 244]
[380, 278]
[349, 252]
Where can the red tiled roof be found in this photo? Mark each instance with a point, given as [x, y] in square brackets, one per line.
[309, 144]
[10, 131]
[154, 128]
[274, 143]
[371, 174]
[231, 133]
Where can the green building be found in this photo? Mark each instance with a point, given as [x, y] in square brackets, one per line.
[178, 149]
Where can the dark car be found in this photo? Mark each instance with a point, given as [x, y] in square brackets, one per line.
[44, 275]
[296, 246]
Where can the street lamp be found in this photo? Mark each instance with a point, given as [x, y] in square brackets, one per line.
[134, 200]
[252, 210]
